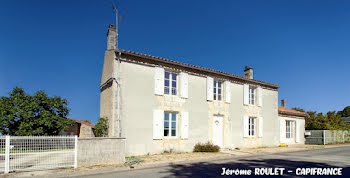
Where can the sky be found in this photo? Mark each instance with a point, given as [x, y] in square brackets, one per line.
[58, 45]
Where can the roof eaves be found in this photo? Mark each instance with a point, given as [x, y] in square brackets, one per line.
[196, 67]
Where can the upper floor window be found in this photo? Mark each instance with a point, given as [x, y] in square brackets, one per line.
[170, 83]
[170, 124]
[217, 90]
[252, 95]
[251, 127]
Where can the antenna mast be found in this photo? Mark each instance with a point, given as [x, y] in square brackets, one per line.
[116, 25]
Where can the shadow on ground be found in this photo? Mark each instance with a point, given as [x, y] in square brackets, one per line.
[205, 169]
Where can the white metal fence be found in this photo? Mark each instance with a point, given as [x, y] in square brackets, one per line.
[324, 137]
[25, 153]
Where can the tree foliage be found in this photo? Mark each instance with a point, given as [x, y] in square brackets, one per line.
[329, 121]
[345, 112]
[39, 114]
[101, 127]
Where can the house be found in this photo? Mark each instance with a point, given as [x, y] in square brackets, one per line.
[346, 120]
[164, 105]
[292, 124]
[81, 128]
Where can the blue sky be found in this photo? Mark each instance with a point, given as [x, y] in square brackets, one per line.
[58, 45]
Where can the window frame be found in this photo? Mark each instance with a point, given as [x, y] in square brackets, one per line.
[216, 93]
[252, 95]
[170, 93]
[170, 124]
[290, 129]
[252, 131]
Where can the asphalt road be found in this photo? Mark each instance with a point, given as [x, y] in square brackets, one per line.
[336, 157]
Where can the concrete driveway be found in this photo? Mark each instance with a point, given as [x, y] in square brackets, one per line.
[318, 158]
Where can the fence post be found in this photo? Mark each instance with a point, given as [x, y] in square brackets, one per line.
[343, 136]
[7, 154]
[324, 137]
[76, 152]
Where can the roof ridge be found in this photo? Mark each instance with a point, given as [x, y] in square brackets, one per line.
[190, 65]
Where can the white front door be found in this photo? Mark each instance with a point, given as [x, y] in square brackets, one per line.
[218, 131]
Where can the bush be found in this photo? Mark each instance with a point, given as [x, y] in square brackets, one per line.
[206, 147]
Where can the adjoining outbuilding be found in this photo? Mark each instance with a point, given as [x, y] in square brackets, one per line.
[292, 125]
[81, 128]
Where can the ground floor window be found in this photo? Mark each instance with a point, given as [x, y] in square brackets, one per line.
[289, 129]
[251, 127]
[170, 124]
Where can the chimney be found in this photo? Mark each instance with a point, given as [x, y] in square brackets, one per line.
[111, 37]
[284, 104]
[248, 72]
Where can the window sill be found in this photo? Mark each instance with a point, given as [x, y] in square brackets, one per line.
[170, 138]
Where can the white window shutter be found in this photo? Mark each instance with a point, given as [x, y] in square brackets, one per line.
[259, 91]
[297, 130]
[184, 84]
[210, 88]
[282, 130]
[245, 126]
[245, 94]
[184, 125]
[228, 91]
[159, 81]
[261, 126]
[158, 122]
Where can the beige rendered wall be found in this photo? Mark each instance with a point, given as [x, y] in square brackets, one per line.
[95, 151]
[138, 102]
[86, 131]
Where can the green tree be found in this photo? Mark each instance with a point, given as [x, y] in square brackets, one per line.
[23, 114]
[87, 121]
[345, 112]
[101, 127]
[299, 109]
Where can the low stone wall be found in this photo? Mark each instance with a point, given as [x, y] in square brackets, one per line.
[97, 151]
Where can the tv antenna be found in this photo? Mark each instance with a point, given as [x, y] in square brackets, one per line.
[115, 9]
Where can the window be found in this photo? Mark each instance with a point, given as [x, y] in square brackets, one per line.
[170, 83]
[217, 90]
[251, 95]
[251, 127]
[289, 129]
[170, 124]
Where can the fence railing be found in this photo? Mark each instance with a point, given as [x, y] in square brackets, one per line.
[24, 153]
[324, 137]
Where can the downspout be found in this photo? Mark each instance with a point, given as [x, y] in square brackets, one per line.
[118, 97]
[117, 130]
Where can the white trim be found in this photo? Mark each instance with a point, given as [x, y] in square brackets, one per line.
[184, 84]
[228, 91]
[210, 83]
[170, 124]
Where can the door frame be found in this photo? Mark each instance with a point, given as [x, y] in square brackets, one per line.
[220, 135]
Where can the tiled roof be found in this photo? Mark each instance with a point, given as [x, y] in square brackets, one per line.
[293, 112]
[82, 122]
[199, 68]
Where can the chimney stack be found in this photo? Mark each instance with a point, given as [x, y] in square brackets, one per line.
[284, 104]
[248, 72]
[111, 37]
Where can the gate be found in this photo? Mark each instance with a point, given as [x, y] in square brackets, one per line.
[26, 153]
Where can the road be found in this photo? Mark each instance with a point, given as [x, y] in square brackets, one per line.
[318, 158]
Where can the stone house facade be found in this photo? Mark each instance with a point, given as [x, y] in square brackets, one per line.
[163, 105]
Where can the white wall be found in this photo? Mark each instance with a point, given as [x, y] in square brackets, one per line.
[299, 122]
